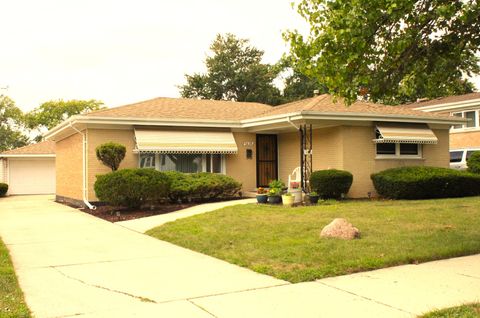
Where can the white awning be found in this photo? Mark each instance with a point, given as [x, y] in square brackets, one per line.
[413, 134]
[180, 141]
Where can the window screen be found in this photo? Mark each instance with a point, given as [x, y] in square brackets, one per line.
[456, 156]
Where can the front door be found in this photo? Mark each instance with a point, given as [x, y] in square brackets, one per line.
[267, 165]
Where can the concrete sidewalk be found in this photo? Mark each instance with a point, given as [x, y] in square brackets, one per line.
[144, 224]
[71, 264]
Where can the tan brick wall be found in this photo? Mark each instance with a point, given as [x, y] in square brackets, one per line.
[69, 167]
[238, 166]
[288, 154]
[328, 148]
[97, 137]
[469, 139]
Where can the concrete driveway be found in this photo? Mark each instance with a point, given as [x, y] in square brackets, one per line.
[71, 264]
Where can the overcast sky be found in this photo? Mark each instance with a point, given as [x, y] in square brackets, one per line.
[124, 51]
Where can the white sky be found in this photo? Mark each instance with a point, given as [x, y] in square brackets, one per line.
[124, 51]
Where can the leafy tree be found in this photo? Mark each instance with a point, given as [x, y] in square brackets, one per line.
[299, 86]
[234, 72]
[389, 51]
[52, 113]
[111, 154]
[11, 135]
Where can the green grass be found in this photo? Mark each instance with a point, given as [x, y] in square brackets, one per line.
[286, 243]
[12, 304]
[465, 311]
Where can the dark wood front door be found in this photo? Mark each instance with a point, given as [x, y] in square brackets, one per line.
[267, 164]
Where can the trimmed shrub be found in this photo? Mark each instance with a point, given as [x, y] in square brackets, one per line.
[3, 189]
[132, 187]
[201, 186]
[111, 154]
[425, 183]
[331, 183]
[473, 162]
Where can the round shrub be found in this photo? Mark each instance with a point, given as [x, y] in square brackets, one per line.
[331, 183]
[132, 187]
[425, 183]
[111, 154]
[473, 162]
[3, 189]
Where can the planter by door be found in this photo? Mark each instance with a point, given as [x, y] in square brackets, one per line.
[262, 198]
[274, 199]
[267, 164]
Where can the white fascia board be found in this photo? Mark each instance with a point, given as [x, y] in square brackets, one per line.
[28, 156]
[449, 106]
[382, 117]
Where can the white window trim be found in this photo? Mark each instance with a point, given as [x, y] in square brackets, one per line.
[397, 154]
[204, 163]
[464, 126]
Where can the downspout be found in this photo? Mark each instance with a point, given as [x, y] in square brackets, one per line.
[84, 163]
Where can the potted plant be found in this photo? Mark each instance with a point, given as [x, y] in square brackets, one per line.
[274, 196]
[275, 192]
[262, 196]
[288, 199]
[313, 197]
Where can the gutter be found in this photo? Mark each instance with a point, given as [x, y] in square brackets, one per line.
[291, 123]
[84, 163]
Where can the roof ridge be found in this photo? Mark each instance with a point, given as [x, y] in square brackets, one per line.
[176, 99]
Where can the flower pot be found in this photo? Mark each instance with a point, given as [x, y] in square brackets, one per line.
[262, 198]
[288, 200]
[297, 194]
[313, 199]
[274, 199]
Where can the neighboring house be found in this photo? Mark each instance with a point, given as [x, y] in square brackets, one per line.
[462, 136]
[253, 143]
[29, 169]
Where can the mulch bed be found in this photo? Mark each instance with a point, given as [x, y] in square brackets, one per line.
[114, 214]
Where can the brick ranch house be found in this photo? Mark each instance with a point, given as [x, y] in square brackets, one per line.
[251, 142]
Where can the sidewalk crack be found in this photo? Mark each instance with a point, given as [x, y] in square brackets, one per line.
[365, 297]
[141, 298]
[201, 308]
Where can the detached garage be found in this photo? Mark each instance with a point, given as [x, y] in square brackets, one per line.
[29, 169]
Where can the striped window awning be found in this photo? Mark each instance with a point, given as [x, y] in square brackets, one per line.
[186, 142]
[409, 134]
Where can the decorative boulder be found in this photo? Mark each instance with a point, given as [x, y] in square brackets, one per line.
[340, 228]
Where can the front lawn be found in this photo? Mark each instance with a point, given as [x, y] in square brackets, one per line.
[12, 303]
[465, 311]
[286, 243]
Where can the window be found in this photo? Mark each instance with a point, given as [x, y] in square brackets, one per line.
[391, 150]
[187, 163]
[409, 149]
[472, 118]
[456, 156]
[147, 161]
[386, 149]
[471, 115]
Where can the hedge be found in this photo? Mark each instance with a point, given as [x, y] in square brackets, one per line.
[132, 187]
[201, 186]
[331, 183]
[425, 183]
[3, 189]
[473, 162]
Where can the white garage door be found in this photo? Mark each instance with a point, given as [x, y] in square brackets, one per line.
[31, 176]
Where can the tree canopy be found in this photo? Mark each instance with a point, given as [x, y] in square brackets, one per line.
[390, 51]
[234, 72]
[11, 134]
[52, 113]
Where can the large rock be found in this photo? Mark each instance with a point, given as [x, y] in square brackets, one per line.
[340, 228]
